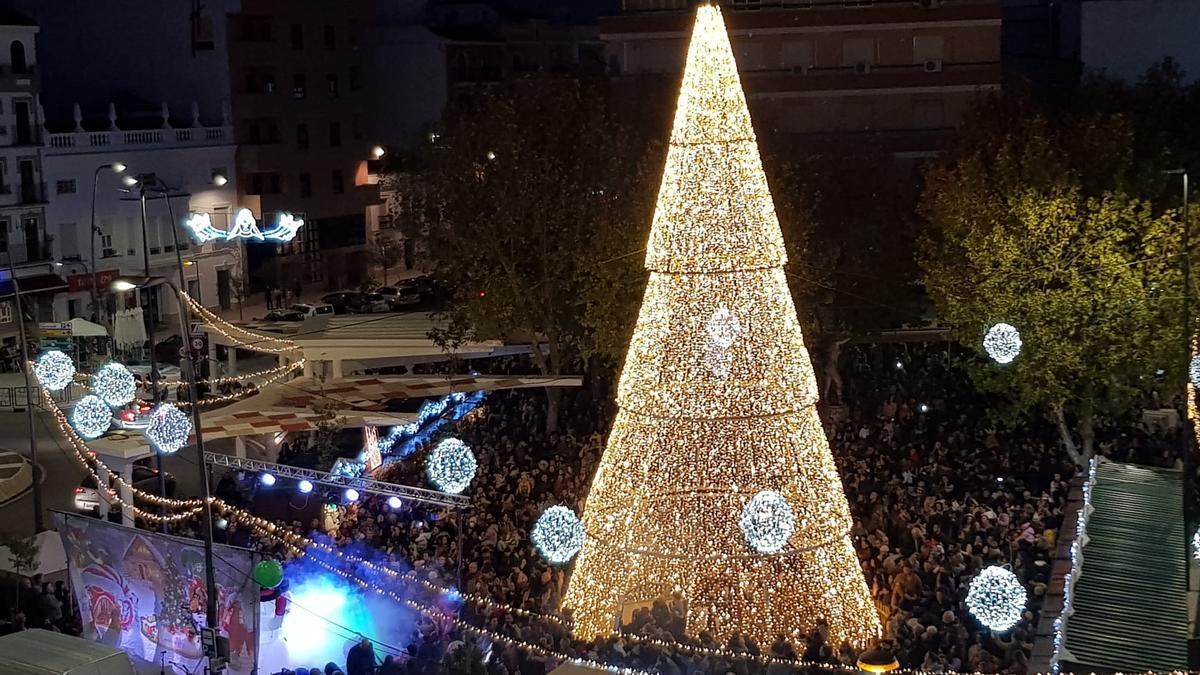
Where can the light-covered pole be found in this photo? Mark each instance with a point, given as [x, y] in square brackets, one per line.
[116, 167]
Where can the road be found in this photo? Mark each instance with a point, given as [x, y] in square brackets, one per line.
[61, 474]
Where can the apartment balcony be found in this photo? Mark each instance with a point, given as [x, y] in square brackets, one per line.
[91, 141]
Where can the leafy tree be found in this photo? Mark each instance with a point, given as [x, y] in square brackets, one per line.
[530, 178]
[326, 428]
[22, 555]
[1043, 219]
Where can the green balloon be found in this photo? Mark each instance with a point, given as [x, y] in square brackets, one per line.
[268, 573]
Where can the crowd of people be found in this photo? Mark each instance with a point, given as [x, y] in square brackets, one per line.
[938, 485]
[41, 605]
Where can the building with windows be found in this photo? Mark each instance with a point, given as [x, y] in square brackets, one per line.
[24, 242]
[900, 73]
[194, 163]
[299, 106]
[288, 76]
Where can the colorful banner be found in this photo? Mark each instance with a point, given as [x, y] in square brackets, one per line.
[144, 593]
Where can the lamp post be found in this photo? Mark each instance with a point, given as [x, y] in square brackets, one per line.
[116, 167]
[206, 527]
[37, 488]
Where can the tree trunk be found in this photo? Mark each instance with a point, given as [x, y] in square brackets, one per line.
[1065, 433]
[1087, 430]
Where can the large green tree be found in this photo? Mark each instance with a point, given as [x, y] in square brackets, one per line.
[537, 182]
[1053, 219]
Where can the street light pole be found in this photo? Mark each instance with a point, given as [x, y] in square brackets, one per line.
[116, 167]
[37, 487]
[162, 475]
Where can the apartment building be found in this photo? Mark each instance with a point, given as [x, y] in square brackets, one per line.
[900, 73]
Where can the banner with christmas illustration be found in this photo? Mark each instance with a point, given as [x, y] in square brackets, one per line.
[144, 593]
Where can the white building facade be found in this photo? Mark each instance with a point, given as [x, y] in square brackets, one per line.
[24, 240]
[195, 163]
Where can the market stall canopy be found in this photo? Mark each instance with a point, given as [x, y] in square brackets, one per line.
[85, 328]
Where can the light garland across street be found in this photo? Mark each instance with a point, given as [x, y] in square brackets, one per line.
[242, 338]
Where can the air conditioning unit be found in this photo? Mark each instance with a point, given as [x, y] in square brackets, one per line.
[799, 70]
[862, 68]
[933, 65]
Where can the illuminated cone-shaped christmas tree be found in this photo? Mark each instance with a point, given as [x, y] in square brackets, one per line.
[717, 480]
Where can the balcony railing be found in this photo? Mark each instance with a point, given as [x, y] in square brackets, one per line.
[139, 139]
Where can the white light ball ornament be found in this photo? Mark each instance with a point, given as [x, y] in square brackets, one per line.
[558, 535]
[168, 429]
[767, 522]
[91, 417]
[996, 598]
[115, 384]
[1002, 342]
[55, 370]
[1194, 371]
[451, 466]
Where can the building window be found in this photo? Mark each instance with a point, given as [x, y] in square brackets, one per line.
[330, 37]
[299, 87]
[305, 184]
[17, 54]
[798, 55]
[65, 187]
[297, 36]
[106, 246]
[262, 131]
[858, 52]
[928, 48]
[3, 236]
[339, 183]
[331, 82]
[256, 29]
[264, 184]
[355, 78]
[335, 134]
[302, 136]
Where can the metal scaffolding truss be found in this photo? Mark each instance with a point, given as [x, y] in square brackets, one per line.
[363, 485]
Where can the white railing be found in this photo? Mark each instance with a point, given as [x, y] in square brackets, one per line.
[152, 137]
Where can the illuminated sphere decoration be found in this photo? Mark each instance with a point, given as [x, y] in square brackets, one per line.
[1194, 371]
[168, 429]
[1196, 545]
[558, 535]
[996, 598]
[91, 417]
[55, 370]
[115, 384]
[451, 466]
[1002, 342]
[767, 522]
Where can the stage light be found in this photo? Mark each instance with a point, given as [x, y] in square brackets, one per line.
[350, 494]
[924, 407]
[393, 502]
[305, 486]
[267, 479]
[899, 365]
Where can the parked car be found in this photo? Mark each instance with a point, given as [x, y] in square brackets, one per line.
[376, 302]
[166, 371]
[145, 478]
[399, 297]
[315, 309]
[289, 314]
[346, 302]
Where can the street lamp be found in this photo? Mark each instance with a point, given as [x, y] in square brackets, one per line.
[189, 375]
[219, 180]
[377, 152]
[115, 167]
[37, 488]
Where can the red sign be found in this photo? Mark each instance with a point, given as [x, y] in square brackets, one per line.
[83, 282]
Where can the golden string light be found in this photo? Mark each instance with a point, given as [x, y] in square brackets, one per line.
[246, 339]
[717, 403]
[272, 376]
